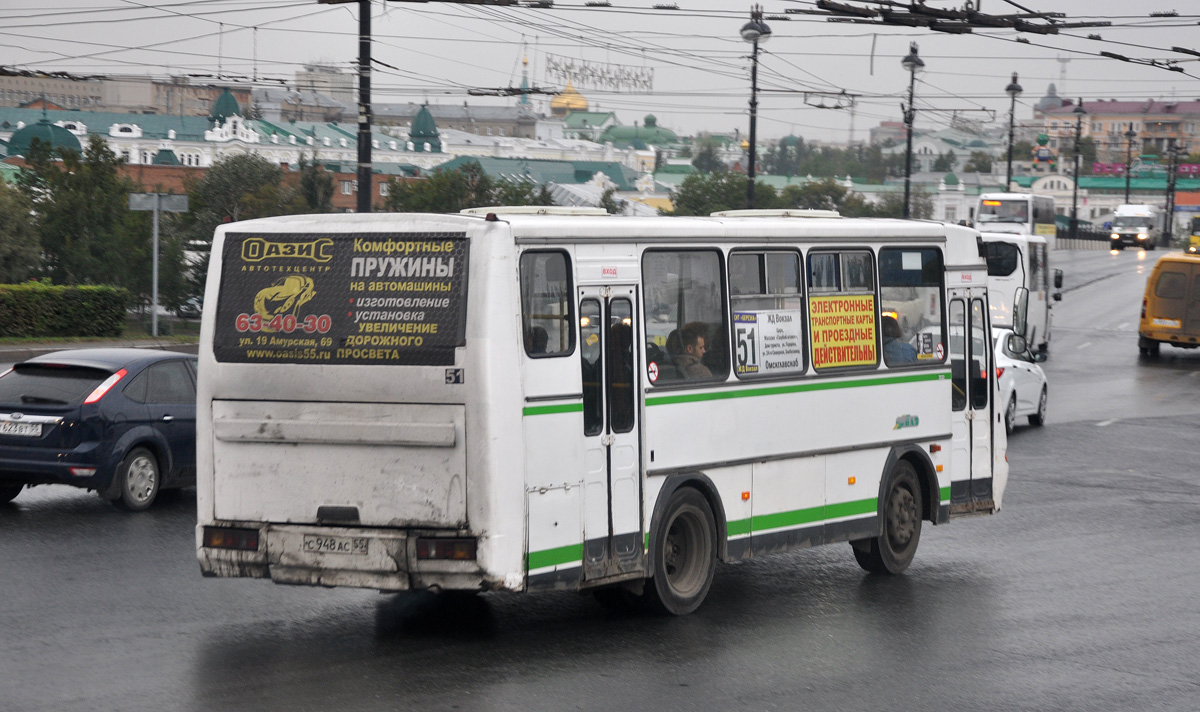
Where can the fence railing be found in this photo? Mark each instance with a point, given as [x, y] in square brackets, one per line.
[1086, 238]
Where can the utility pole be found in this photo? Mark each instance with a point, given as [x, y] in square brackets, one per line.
[1172, 169]
[364, 106]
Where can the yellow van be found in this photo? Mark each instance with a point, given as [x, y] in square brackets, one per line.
[1171, 307]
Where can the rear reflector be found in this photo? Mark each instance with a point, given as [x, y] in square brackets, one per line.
[228, 538]
[104, 387]
[458, 549]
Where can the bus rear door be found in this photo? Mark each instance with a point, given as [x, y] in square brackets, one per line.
[612, 495]
[971, 376]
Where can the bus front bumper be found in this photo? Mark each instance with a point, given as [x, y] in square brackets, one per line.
[382, 559]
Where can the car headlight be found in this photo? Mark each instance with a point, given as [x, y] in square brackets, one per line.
[1141, 236]
[1115, 236]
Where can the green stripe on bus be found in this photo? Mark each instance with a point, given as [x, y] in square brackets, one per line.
[553, 557]
[797, 388]
[945, 494]
[797, 517]
[548, 409]
[738, 527]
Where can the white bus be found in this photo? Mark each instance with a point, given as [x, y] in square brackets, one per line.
[1020, 261]
[529, 402]
[1021, 213]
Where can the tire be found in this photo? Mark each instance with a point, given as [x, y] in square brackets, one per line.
[893, 550]
[140, 480]
[9, 492]
[684, 546]
[1010, 415]
[1038, 419]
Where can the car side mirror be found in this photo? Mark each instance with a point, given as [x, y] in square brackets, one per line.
[1058, 279]
[1058, 296]
[1017, 344]
[1039, 357]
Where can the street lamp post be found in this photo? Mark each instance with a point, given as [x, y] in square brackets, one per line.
[754, 31]
[1014, 90]
[912, 64]
[1079, 111]
[1129, 136]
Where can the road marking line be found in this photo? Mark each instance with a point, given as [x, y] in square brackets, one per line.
[1122, 325]
[1084, 345]
[1105, 423]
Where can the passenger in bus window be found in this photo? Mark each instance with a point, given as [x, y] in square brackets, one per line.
[895, 349]
[536, 339]
[693, 338]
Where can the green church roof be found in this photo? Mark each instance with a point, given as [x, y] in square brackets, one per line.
[424, 131]
[224, 107]
[165, 157]
[44, 131]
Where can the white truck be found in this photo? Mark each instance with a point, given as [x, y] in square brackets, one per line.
[1136, 226]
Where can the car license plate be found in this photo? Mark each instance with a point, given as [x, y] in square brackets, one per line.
[30, 430]
[314, 544]
[1172, 323]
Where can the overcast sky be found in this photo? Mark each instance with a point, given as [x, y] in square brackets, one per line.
[701, 75]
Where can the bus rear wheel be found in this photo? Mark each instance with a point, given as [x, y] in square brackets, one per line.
[892, 551]
[684, 546]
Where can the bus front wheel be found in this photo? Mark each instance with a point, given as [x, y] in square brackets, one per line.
[892, 551]
[685, 554]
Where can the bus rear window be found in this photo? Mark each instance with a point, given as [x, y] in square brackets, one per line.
[363, 299]
[1171, 285]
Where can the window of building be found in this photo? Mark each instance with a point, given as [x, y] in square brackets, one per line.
[547, 316]
[383, 188]
[767, 317]
[951, 213]
[686, 330]
[347, 187]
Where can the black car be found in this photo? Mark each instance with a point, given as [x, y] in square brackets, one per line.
[121, 422]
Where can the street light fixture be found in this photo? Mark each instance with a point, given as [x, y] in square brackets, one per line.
[912, 64]
[1014, 90]
[1079, 112]
[1129, 136]
[754, 32]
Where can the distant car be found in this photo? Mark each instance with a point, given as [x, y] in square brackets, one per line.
[121, 422]
[1023, 386]
[190, 309]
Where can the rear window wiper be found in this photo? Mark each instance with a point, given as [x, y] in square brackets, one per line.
[40, 399]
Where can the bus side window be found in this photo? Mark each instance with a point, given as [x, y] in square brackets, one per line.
[843, 309]
[685, 315]
[547, 310]
[590, 323]
[766, 302]
[910, 297]
[981, 371]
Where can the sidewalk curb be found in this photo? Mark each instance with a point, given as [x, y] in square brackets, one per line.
[23, 352]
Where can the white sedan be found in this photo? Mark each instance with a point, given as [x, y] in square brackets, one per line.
[1022, 381]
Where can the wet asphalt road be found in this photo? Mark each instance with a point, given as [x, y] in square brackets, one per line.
[1080, 595]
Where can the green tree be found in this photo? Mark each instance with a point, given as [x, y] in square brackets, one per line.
[945, 162]
[316, 185]
[609, 202]
[705, 193]
[19, 248]
[1023, 151]
[979, 162]
[706, 160]
[80, 204]
[467, 186]
[891, 205]
[825, 194]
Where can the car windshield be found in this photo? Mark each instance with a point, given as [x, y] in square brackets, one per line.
[1132, 221]
[33, 383]
[997, 211]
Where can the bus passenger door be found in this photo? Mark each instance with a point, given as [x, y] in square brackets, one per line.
[612, 521]
[971, 374]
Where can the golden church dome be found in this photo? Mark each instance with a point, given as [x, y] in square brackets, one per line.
[569, 100]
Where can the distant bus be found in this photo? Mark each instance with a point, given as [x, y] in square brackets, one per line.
[1021, 261]
[1022, 213]
[522, 402]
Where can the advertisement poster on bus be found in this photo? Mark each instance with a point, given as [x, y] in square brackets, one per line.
[341, 299]
[843, 330]
[768, 342]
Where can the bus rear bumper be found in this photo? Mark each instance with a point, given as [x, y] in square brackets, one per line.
[299, 555]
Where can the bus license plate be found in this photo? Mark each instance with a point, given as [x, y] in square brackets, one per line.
[314, 544]
[25, 429]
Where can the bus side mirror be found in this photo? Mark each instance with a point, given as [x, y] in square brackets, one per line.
[1020, 310]
[1058, 279]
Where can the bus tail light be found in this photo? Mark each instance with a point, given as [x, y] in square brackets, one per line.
[442, 548]
[230, 538]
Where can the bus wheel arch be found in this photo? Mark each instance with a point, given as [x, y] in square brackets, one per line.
[931, 498]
